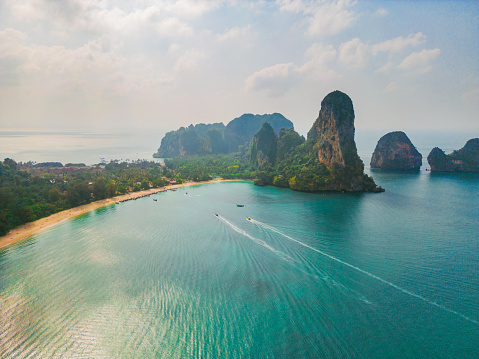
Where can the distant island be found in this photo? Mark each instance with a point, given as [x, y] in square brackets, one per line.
[216, 138]
[464, 160]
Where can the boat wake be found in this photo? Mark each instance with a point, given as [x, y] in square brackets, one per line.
[412, 294]
[254, 239]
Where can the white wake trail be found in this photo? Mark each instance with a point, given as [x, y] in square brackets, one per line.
[264, 225]
[256, 240]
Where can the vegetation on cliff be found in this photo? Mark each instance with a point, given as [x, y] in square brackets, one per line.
[395, 151]
[464, 160]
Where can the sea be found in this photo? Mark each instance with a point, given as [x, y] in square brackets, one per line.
[324, 275]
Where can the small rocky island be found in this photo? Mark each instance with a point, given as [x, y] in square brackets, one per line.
[464, 160]
[395, 151]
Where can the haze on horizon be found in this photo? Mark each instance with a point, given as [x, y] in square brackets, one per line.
[103, 67]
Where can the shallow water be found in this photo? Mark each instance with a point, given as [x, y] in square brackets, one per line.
[391, 275]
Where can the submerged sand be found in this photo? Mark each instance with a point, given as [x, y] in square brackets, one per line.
[27, 230]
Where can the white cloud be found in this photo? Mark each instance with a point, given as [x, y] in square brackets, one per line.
[387, 67]
[327, 17]
[188, 61]
[381, 12]
[353, 53]
[320, 58]
[391, 87]
[96, 68]
[168, 18]
[275, 80]
[280, 78]
[398, 44]
[235, 33]
[419, 61]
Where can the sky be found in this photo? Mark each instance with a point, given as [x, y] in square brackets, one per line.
[105, 67]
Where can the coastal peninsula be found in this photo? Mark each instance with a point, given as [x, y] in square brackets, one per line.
[464, 160]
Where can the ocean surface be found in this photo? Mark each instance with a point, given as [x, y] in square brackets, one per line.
[389, 275]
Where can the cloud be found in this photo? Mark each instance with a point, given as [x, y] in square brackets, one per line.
[354, 53]
[168, 18]
[381, 12]
[323, 18]
[398, 44]
[391, 87]
[188, 61]
[275, 80]
[96, 68]
[419, 61]
[235, 33]
[320, 58]
[387, 67]
[280, 78]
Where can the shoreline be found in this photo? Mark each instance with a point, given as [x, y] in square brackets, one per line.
[29, 229]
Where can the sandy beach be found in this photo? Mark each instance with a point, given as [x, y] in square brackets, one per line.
[24, 231]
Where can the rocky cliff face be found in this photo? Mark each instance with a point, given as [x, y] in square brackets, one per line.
[464, 160]
[263, 148]
[328, 160]
[241, 130]
[395, 151]
[333, 132]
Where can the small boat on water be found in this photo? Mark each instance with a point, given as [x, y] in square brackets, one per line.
[240, 205]
[216, 214]
[249, 219]
[154, 199]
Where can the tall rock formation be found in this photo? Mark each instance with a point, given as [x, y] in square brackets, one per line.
[333, 132]
[464, 160]
[264, 146]
[395, 151]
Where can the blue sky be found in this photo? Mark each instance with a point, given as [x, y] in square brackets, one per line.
[102, 66]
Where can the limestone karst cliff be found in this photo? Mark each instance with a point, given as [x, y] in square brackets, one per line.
[327, 160]
[395, 151]
[333, 131]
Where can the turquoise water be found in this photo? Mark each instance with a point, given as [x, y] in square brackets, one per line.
[391, 275]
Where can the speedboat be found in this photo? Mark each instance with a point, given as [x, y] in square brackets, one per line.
[249, 219]
[216, 214]
[240, 205]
